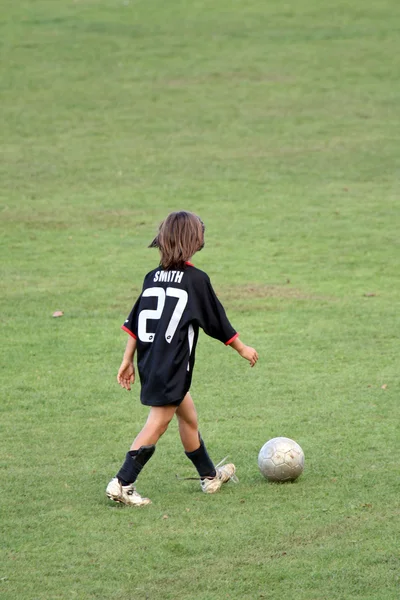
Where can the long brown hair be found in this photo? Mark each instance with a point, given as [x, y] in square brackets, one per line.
[179, 236]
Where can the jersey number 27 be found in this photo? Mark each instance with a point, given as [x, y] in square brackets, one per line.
[156, 314]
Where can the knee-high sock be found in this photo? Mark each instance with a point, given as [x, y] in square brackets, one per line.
[202, 461]
[134, 463]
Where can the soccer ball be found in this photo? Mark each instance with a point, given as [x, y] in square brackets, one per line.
[281, 459]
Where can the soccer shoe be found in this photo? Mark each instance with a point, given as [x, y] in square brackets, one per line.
[125, 494]
[224, 473]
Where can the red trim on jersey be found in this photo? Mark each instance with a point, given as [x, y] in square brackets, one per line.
[129, 331]
[189, 263]
[232, 339]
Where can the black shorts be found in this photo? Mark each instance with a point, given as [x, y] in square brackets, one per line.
[151, 402]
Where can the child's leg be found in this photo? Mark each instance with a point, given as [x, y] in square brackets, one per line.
[143, 446]
[121, 488]
[194, 446]
[157, 423]
[188, 424]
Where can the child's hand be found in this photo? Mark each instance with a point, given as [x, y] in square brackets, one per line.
[247, 352]
[126, 374]
[250, 354]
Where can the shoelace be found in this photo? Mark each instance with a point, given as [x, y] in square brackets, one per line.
[233, 477]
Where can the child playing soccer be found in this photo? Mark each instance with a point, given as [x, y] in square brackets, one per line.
[163, 327]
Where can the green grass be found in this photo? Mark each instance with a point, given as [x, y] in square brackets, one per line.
[278, 124]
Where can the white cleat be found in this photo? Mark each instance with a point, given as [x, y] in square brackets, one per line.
[125, 494]
[224, 473]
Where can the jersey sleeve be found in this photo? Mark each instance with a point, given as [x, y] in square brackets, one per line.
[211, 314]
[130, 325]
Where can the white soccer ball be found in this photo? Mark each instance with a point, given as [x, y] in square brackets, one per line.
[281, 459]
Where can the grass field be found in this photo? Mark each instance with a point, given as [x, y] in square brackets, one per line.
[279, 124]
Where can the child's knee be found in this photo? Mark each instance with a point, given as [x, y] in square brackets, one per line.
[162, 428]
[161, 425]
[189, 422]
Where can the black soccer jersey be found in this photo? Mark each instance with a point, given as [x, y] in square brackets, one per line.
[165, 321]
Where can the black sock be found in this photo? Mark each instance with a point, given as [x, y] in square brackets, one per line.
[134, 463]
[202, 462]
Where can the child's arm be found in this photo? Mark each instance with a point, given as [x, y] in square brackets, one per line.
[126, 373]
[246, 352]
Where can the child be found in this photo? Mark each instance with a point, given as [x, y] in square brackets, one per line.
[176, 299]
